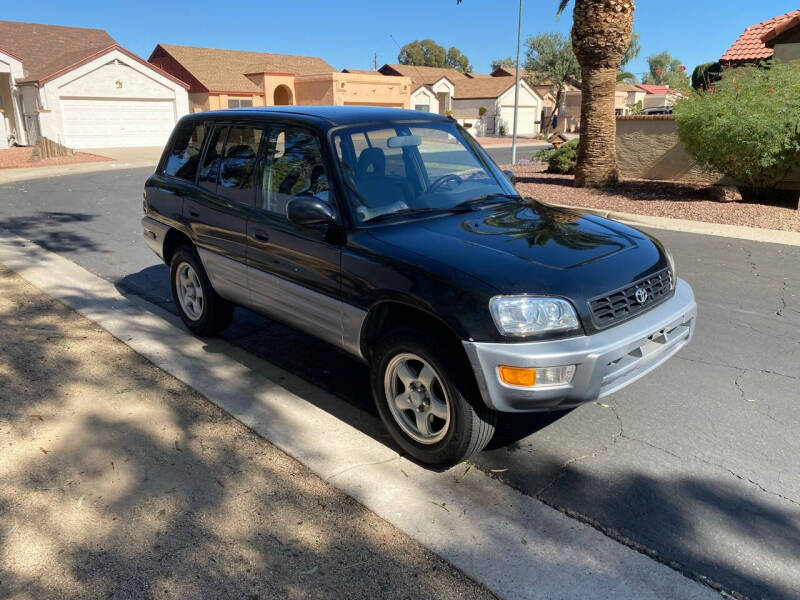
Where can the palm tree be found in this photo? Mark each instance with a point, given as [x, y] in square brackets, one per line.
[601, 33]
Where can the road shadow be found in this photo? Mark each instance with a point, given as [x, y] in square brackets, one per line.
[47, 229]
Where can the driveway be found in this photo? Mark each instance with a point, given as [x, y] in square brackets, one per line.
[695, 465]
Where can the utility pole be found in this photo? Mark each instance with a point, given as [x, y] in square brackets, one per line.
[374, 61]
[516, 88]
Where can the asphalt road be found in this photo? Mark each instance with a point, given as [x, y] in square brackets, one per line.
[695, 465]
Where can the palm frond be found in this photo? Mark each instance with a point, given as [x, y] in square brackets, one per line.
[562, 6]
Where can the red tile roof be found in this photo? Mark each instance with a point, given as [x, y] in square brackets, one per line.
[654, 89]
[750, 46]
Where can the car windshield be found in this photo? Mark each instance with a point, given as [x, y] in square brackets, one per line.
[402, 170]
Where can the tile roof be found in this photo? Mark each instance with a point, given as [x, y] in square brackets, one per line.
[482, 87]
[654, 89]
[361, 71]
[750, 46]
[224, 70]
[628, 87]
[424, 75]
[48, 49]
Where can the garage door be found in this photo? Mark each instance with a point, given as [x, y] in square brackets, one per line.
[527, 117]
[90, 123]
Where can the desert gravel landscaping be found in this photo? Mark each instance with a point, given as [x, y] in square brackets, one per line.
[118, 481]
[22, 157]
[653, 198]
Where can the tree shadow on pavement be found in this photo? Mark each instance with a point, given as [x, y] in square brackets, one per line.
[118, 481]
[47, 229]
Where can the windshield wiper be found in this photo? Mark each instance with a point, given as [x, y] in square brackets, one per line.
[486, 199]
[404, 211]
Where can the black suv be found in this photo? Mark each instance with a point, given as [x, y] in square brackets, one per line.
[392, 235]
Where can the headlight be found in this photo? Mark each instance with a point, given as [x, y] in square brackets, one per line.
[528, 315]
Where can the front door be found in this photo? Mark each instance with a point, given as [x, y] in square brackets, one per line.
[218, 211]
[294, 270]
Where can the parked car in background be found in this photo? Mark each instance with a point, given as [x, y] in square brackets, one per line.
[393, 236]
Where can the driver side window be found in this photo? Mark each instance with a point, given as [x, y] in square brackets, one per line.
[294, 167]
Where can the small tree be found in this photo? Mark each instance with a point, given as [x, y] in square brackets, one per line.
[482, 111]
[748, 128]
[666, 70]
[550, 60]
[508, 63]
[705, 75]
[427, 53]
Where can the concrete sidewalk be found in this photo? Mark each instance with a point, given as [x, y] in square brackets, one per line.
[120, 481]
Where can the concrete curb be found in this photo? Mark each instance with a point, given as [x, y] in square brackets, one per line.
[514, 545]
[754, 234]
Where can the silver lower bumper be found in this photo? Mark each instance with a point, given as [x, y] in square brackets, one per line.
[605, 362]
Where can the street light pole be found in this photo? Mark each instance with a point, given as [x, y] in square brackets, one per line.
[516, 88]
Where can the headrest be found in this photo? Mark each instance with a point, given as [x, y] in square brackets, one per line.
[371, 157]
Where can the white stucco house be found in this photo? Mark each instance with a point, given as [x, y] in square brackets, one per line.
[443, 90]
[79, 88]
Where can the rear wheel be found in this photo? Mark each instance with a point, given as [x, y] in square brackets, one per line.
[428, 400]
[202, 310]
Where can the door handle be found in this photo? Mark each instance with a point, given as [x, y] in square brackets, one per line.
[261, 235]
[193, 213]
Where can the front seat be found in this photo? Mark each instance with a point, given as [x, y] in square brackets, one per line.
[380, 193]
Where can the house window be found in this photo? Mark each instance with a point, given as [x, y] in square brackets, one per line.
[422, 107]
[240, 102]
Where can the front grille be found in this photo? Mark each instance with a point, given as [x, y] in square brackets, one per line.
[622, 304]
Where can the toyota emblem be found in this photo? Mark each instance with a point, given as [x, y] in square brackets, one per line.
[641, 295]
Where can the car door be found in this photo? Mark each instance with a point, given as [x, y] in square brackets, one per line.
[219, 210]
[294, 270]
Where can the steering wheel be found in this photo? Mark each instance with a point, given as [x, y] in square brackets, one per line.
[440, 181]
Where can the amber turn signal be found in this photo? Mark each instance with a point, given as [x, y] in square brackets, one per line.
[522, 376]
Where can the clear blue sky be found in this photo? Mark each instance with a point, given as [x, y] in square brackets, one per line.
[347, 32]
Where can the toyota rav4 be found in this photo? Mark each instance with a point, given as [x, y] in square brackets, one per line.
[393, 235]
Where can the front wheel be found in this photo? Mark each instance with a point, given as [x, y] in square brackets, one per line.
[428, 400]
[200, 308]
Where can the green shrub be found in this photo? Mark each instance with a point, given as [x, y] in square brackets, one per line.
[746, 126]
[561, 159]
[502, 129]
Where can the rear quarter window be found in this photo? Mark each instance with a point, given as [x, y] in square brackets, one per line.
[184, 155]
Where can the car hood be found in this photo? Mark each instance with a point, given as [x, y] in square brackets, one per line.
[533, 248]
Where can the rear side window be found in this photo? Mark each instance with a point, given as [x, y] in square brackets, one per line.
[185, 153]
[210, 167]
[237, 170]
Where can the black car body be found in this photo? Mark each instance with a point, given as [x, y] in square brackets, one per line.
[334, 221]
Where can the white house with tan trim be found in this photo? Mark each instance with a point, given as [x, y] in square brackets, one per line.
[443, 90]
[79, 88]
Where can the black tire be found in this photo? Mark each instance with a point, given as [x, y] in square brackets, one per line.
[216, 313]
[471, 423]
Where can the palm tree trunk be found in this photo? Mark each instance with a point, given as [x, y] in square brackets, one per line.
[601, 32]
[597, 154]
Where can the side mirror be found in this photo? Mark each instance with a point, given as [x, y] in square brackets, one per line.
[510, 176]
[308, 210]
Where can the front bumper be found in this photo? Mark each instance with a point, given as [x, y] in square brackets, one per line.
[605, 361]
